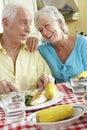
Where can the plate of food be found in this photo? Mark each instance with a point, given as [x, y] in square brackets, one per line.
[42, 101]
[66, 118]
[37, 99]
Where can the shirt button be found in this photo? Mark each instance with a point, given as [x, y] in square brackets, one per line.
[69, 77]
[62, 66]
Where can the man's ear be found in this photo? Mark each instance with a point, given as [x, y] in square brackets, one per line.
[5, 22]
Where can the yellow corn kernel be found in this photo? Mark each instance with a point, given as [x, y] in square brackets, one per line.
[53, 114]
[50, 91]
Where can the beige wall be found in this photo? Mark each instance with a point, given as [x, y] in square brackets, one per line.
[79, 25]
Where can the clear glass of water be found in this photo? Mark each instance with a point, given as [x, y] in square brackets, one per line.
[14, 108]
[79, 86]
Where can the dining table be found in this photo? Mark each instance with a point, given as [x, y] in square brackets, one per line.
[69, 98]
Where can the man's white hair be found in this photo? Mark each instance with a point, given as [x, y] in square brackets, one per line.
[10, 9]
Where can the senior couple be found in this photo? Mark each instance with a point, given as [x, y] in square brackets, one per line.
[21, 70]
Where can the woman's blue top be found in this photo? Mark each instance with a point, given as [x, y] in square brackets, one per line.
[75, 63]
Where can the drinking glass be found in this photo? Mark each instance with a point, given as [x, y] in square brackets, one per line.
[14, 107]
[79, 86]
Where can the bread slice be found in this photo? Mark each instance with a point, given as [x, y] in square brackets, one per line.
[38, 98]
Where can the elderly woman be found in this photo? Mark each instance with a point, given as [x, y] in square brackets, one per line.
[65, 54]
[20, 70]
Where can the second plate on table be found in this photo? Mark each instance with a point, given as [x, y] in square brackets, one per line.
[59, 97]
[79, 111]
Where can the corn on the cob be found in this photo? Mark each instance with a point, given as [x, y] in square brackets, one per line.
[53, 114]
[82, 74]
[50, 91]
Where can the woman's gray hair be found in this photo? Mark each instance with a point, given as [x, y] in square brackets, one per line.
[52, 13]
[10, 9]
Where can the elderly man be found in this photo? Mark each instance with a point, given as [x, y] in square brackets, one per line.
[19, 69]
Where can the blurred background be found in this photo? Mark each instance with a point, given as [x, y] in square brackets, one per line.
[74, 11]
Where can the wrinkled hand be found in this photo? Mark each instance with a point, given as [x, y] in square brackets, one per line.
[32, 43]
[44, 80]
[6, 87]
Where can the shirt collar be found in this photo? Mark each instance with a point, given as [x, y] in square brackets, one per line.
[0, 46]
[2, 49]
[23, 47]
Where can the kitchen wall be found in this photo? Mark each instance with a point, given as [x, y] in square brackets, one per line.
[79, 25]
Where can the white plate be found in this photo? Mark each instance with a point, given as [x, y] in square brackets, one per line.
[68, 85]
[79, 111]
[48, 103]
